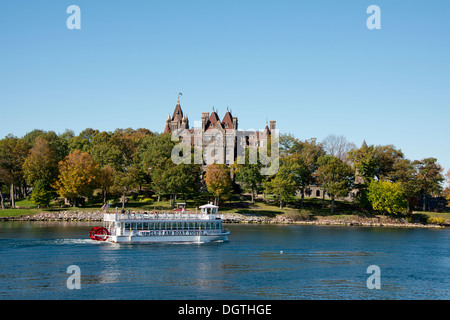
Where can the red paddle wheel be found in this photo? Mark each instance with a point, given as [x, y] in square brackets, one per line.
[99, 234]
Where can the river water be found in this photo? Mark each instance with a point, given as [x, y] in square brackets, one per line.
[258, 262]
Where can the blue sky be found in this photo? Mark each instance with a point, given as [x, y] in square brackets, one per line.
[313, 66]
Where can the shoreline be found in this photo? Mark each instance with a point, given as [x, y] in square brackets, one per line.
[232, 218]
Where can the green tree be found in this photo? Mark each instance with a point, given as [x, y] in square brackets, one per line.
[105, 152]
[106, 179]
[42, 194]
[58, 143]
[429, 177]
[405, 173]
[335, 176]
[41, 164]
[305, 163]
[248, 175]
[283, 183]
[181, 179]
[364, 164]
[154, 155]
[13, 152]
[387, 197]
[125, 181]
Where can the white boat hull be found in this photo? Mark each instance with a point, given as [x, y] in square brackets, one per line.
[169, 238]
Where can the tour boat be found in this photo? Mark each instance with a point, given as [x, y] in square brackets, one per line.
[179, 226]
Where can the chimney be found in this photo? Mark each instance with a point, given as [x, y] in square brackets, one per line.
[205, 117]
[235, 123]
[272, 125]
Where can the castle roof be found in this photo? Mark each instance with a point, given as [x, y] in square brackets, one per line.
[227, 121]
[177, 113]
[167, 129]
[213, 120]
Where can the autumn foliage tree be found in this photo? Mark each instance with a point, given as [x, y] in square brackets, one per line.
[41, 164]
[218, 180]
[77, 176]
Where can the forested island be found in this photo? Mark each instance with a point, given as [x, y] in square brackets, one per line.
[132, 169]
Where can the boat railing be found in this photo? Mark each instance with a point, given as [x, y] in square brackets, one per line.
[160, 216]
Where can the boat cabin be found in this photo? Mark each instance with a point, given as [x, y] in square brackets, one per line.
[209, 209]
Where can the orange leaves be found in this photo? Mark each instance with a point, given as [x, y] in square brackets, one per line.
[77, 175]
[218, 179]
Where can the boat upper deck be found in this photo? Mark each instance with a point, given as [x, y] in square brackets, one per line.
[160, 216]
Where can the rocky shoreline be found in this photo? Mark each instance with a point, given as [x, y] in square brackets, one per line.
[239, 218]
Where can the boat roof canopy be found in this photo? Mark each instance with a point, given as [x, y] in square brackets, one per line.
[207, 206]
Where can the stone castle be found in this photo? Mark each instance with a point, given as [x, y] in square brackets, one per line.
[218, 139]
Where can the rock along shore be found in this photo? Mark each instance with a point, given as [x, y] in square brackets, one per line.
[238, 218]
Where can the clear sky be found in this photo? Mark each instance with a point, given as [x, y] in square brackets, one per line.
[313, 66]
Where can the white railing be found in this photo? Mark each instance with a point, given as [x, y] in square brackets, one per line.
[159, 216]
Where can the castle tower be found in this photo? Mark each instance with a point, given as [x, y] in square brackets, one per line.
[177, 121]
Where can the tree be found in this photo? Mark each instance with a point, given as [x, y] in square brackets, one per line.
[364, 164]
[405, 173]
[447, 190]
[41, 164]
[77, 176]
[429, 177]
[13, 152]
[249, 175]
[386, 158]
[304, 163]
[281, 185]
[41, 195]
[218, 180]
[336, 177]
[337, 146]
[125, 181]
[386, 196]
[58, 143]
[128, 142]
[180, 179]
[105, 152]
[286, 144]
[154, 156]
[2, 200]
[106, 180]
